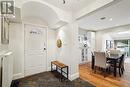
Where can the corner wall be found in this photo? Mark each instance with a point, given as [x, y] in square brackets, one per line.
[69, 52]
[51, 47]
[101, 37]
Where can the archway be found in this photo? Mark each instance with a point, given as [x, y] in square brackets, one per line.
[40, 11]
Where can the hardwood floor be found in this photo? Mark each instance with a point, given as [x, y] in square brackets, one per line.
[109, 81]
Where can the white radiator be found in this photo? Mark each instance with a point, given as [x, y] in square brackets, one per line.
[6, 69]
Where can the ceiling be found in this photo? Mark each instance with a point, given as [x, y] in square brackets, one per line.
[70, 5]
[122, 32]
[116, 15]
[120, 35]
[40, 11]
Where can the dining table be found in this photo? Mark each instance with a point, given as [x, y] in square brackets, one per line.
[114, 60]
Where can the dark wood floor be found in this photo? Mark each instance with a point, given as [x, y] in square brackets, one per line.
[109, 81]
[49, 79]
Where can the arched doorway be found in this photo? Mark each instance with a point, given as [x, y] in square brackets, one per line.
[35, 36]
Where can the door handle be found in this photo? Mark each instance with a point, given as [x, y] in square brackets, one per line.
[44, 48]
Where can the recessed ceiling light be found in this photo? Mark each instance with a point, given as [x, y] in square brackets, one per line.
[103, 18]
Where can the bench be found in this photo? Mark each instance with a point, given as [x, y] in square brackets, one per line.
[60, 66]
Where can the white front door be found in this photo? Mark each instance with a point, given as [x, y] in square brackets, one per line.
[35, 53]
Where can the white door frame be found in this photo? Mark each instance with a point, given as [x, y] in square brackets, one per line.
[42, 26]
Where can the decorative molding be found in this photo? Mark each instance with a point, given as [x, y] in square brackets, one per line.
[48, 68]
[18, 76]
[73, 76]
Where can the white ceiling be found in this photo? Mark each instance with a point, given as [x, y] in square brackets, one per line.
[70, 5]
[38, 10]
[122, 32]
[121, 35]
[117, 14]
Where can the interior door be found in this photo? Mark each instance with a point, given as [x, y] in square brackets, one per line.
[35, 50]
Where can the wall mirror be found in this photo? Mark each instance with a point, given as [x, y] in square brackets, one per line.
[59, 43]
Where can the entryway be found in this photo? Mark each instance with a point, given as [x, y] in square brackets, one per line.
[35, 49]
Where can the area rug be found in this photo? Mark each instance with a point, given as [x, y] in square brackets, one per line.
[50, 79]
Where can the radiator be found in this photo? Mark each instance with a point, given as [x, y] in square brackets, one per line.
[6, 70]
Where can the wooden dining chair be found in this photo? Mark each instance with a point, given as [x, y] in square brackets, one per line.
[93, 60]
[120, 65]
[101, 61]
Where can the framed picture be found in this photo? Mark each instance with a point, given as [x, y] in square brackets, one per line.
[4, 30]
[109, 44]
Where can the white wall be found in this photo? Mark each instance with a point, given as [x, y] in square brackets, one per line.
[34, 20]
[63, 34]
[0, 31]
[82, 31]
[51, 47]
[17, 46]
[69, 52]
[101, 37]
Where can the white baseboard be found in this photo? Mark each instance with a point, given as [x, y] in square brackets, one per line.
[73, 76]
[49, 69]
[21, 75]
[18, 76]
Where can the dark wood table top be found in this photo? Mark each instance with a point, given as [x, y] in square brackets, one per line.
[114, 57]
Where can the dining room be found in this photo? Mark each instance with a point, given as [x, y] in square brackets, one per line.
[105, 46]
[109, 62]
